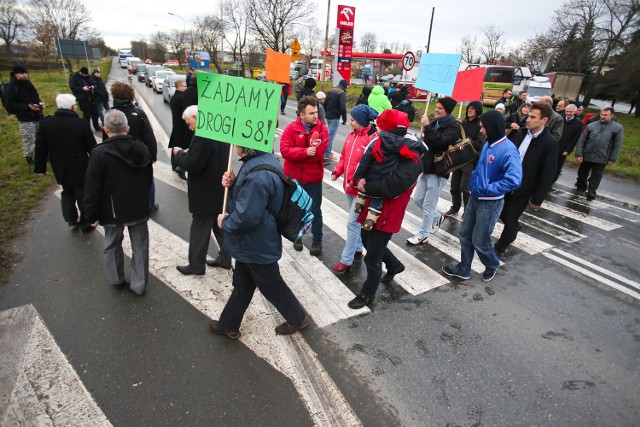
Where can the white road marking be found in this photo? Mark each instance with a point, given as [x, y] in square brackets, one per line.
[580, 216]
[45, 390]
[631, 210]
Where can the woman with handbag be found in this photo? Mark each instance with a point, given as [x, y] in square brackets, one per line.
[438, 136]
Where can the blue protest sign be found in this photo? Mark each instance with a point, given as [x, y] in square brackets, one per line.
[437, 72]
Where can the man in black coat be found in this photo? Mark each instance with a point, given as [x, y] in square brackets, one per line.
[539, 153]
[23, 101]
[570, 134]
[205, 161]
[116, 196]
[66, 140]
[102, 96]
[181, 135]
[83, 87]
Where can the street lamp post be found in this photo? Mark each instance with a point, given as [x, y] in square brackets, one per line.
[184, 30]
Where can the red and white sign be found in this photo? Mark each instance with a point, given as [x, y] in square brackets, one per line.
[346, 16]
[408, 61]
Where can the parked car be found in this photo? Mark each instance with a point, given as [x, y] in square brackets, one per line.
[171, 63]
[151, 72]
[169, 87]
[159, 79]
[142, 71]
[234, 72]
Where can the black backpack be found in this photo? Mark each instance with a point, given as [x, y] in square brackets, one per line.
[294, 218]
[4, 92]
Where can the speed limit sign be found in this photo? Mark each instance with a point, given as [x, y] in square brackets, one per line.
[408, 61]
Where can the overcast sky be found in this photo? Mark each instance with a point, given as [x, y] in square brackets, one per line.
[402, 21]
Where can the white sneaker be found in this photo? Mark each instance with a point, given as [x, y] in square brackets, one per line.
[417, 240]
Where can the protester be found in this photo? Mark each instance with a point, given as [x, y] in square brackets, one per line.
[302, 146]
[556, 121]
[205, 161]
[395, 189]
[284, 95]
[252, 239]
[124, 96]
[335, 106]
[23, 101]
[498, 172]
[322, 114]
[102, 96]
[378, 100]
[83, 87]
[519, 119]
[307, 89]
[116, 196]
[406, 106]
[181, 135]
[505, 100]
[460, 191]
[598, 146]
[191, 93]
[570, 134]
[191, 75]
[538, 151]
[398, 96]
[364, 96]
[352, 151]
[66, 141]
[438, 135]
[517, 103]
[298, 84]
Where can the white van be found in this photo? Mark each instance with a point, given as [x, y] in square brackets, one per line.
[131, 61]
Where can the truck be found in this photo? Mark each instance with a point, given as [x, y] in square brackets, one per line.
[537, 87]
[123, 54]
[565, 85]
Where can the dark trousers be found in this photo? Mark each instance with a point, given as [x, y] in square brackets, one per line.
[460, 186]
[71, 196]
[513, 208]
[315, 192]
[561, 160]
[267, 278]
[375, 242]
[283, 102]
[589, 183]
[199, 236]
[90, 113]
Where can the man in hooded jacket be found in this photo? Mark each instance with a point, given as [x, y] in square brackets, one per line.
[498, 172]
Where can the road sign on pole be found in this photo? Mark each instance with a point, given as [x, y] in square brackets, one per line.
[408, 61]
[295, 50]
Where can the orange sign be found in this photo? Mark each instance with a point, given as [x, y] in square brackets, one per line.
[277, 66]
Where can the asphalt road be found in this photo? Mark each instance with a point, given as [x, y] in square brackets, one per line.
[553, 340]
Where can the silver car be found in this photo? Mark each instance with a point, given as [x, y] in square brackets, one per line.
[159, 79]
[169, 86]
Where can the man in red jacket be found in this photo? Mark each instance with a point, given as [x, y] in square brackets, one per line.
[302, 145]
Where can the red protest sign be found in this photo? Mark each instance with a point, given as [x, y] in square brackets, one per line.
[468, 85]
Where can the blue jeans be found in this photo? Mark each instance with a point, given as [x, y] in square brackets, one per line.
[315, 192]
[480, 217]
[425, 196]
[333, 129]
[354, 240]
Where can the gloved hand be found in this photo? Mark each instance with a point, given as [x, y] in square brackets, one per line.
[344, 123]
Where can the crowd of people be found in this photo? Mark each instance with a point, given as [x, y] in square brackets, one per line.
[520, 147]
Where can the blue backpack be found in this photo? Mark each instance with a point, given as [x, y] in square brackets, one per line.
[294, 218]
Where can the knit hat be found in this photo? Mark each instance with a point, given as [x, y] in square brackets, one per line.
[363, 114]
[344, 84]
[19, 69]
[84, 70]
[321, 95]
[392, 119]
[97, 70]
[448, 104]
[310, 83]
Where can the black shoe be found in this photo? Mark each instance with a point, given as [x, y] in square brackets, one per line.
[297, 245]
[121, 285]
[73, 223]
[187, 271]
[182, 175]
[87, 228]
[218, 262]
[591, 198]
[316, 248]
[451, 212]
[154, 207]
[488, 275]
[357, 255]
[29, 159]
[389, 275]
[213, 327]
[360, 301]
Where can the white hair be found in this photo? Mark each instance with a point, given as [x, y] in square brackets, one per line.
[190, 111]
[65, 100]
[116, 122]
[571, 107]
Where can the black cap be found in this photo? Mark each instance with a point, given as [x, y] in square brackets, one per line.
[448, 103]
[84, 70]
[19, 69]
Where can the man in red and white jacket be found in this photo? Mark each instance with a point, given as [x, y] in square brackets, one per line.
[302, 145]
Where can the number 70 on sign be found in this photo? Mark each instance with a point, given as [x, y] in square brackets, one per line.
[408, 61]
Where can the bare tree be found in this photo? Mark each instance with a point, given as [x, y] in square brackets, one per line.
[311, 40]
[43, 44]
[469, 49]
[369, 41]
[177, 41]
[273, 22]
[210, 31]
[493, 47]
[160, 41]
[236, 16]
[68, 18]
[12, 20]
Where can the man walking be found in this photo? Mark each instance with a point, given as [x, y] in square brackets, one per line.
[252, 238]
[498, 172]
[83, 87]
[570, 134]
[335, 107]
[302, 146]
[539, 154]
[181, 135]
[206, 161]
[556, 121]
[66, 140]
[116, 196]
[598, 146]
[23, 101]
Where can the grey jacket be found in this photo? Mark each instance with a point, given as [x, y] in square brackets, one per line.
[555, 125]
[600, 142]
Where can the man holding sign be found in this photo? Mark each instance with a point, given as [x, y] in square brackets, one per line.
[302, 145]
